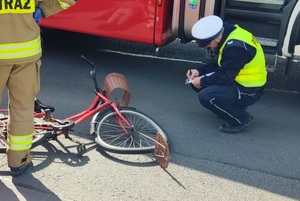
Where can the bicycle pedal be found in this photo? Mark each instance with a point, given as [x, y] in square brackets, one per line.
[81, 149]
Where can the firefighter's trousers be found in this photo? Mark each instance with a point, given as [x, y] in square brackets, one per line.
[23, 83]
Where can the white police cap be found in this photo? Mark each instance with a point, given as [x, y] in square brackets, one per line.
[207, 29]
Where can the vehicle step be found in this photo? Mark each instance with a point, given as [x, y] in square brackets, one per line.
[274, 2]
[269, 46]
[254, 15]
[267, 41]
[271, 65]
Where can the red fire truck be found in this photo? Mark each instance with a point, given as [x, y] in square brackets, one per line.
[275, 23]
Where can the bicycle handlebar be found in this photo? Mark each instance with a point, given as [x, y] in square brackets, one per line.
[92, 73]
[87, 60]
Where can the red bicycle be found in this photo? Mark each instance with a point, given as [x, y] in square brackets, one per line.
[117, 128]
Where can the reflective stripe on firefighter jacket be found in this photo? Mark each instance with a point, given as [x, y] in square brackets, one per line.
[63, 5]
[254, 73]
[20, 50]
[11, 49]
[17, 6]
[19, 143]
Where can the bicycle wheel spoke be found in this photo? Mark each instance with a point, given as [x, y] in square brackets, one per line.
[2, 141]
[114, 125]
[146, 137]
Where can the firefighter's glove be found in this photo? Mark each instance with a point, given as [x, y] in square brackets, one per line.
[37, 15]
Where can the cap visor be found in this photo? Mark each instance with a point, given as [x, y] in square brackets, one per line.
[203, 43]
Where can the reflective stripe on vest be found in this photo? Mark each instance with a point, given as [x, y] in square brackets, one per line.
[254, 73]
[20, 50]
[19, 143]
[63, 5]
[17, 6]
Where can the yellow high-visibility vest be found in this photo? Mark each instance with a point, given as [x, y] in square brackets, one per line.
[254, 73]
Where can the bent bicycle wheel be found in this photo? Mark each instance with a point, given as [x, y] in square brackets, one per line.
[39, 134]
[139, 138]
[37, 137]
[3, 124]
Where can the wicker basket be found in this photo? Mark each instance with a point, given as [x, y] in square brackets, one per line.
[116, 81]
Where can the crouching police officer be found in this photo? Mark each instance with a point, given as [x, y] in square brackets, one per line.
[20, 52]
[235, 79]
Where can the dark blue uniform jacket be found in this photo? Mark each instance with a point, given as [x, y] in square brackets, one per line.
[235, 55]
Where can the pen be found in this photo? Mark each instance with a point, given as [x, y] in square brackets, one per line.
[190, 72]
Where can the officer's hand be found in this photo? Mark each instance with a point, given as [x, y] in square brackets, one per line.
[197, 82]
[192, 73]
[37, 15]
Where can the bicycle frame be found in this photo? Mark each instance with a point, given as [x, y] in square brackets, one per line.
[55, 127]
[99, 103]
[89, 112]
[48, 128]
[94, 108]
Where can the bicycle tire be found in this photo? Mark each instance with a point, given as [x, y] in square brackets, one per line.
[3, 123]
[141, 137]
[38, 134]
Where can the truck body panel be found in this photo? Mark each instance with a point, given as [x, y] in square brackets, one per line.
[158, 22]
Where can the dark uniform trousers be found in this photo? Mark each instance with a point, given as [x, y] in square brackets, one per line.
[229, 102]
[23, 83]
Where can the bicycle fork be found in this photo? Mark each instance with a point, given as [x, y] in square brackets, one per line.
[121, 119]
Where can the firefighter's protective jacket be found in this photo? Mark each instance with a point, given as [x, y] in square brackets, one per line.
[20, 35]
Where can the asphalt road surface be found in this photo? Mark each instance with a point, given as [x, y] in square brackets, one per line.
[261, 163]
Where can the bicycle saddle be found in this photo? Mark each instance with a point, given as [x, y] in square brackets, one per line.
[39, 106]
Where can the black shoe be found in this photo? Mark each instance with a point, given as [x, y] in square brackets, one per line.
[226, 128]
[15, 172]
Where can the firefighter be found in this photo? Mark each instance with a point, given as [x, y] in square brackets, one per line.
[235, 78]
[20, 53]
